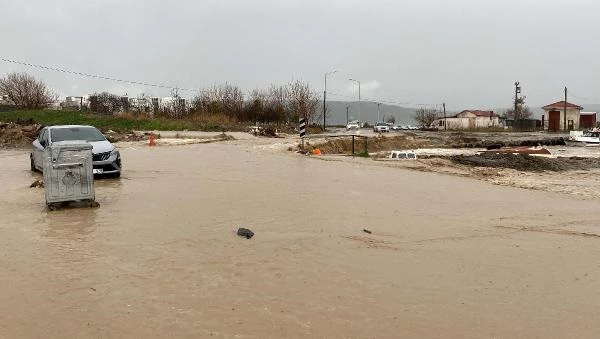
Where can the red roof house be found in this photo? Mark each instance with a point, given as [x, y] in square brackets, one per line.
[558, 120]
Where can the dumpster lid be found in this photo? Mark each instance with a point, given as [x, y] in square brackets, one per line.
[72, 144]
[68, 145]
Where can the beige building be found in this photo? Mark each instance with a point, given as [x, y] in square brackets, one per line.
[555, 115]
[469, 119]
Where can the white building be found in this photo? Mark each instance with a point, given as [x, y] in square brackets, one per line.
[470, 119]
[558, 121]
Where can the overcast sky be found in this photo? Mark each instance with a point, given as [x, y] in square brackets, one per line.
[467, 53]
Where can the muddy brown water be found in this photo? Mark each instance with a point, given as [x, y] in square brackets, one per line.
[447, 257]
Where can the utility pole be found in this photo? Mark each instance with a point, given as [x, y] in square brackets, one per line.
[325, 104]
[565, 111]
[444, 107]
[347, 121]
[359, 125]
[378, 111]
[516, 112]
[325, 100]
[517, 91]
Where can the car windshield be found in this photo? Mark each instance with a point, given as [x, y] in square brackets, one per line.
[76, 133]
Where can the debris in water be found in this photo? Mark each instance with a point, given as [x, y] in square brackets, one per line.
[367, 231]
[37, 183]
[244, 232]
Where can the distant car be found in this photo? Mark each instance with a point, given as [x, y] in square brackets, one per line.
[413, 127]
[396, 128]
[106, 158]
[352, 125]
[381, 127]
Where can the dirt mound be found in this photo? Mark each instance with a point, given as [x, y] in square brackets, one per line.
[127, 136]
[435, 140]
[465, 140]
[523, 162]
[375, 144]
[18, 134]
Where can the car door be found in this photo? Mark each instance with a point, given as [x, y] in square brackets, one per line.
[38, 148]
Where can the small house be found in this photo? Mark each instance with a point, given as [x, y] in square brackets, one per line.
[558, 121]
[469, 119]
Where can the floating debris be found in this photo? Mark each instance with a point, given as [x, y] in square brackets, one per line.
[244, 232]
[37, 183]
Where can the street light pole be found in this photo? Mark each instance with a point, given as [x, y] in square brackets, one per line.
[358, 100]
[347, 121]
[325, 100]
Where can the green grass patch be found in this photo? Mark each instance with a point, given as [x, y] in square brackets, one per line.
[115, 123]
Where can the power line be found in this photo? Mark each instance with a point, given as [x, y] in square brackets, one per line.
[96, 76]
[585, 99]
[143, 83]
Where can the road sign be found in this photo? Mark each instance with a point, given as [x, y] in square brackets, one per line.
[302, 127]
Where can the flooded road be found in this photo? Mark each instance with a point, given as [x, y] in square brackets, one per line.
[447, 257]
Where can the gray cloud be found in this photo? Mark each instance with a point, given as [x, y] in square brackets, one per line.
[464, 52]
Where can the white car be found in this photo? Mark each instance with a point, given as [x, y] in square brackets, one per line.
[106, 158]
[352, 125]
[381, 127]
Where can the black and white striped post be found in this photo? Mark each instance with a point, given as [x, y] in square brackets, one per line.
[302, 129]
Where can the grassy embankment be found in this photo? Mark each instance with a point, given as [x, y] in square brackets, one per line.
[122, 123]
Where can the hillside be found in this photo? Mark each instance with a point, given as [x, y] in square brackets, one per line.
[368, 112]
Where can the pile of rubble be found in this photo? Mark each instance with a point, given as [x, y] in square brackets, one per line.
[127, 136]
[526, 163]
[19, 133]
[267, 131]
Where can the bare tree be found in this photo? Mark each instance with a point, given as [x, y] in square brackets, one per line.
[254, 107]
[141, 105]
[277, 104]
[523, 112]
[25, 91]
[391, 120]
[304, 101]
[105, 103]
[425, 116]
[220, 99]
[174, 106]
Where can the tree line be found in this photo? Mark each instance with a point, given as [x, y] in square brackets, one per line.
[275, 104]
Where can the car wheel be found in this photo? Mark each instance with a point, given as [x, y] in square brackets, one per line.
[33, 169]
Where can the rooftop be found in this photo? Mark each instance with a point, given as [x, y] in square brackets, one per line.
[479, 113]
[561, 104]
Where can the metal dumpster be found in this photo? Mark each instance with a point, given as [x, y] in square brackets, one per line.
[68, 172]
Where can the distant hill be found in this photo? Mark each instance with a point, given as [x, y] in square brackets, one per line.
[368, 112]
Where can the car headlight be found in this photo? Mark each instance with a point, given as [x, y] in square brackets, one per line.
[114, 153]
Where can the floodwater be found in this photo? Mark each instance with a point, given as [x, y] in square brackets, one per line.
[447, 257]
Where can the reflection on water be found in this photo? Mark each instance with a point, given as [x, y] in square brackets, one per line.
[71, 223]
